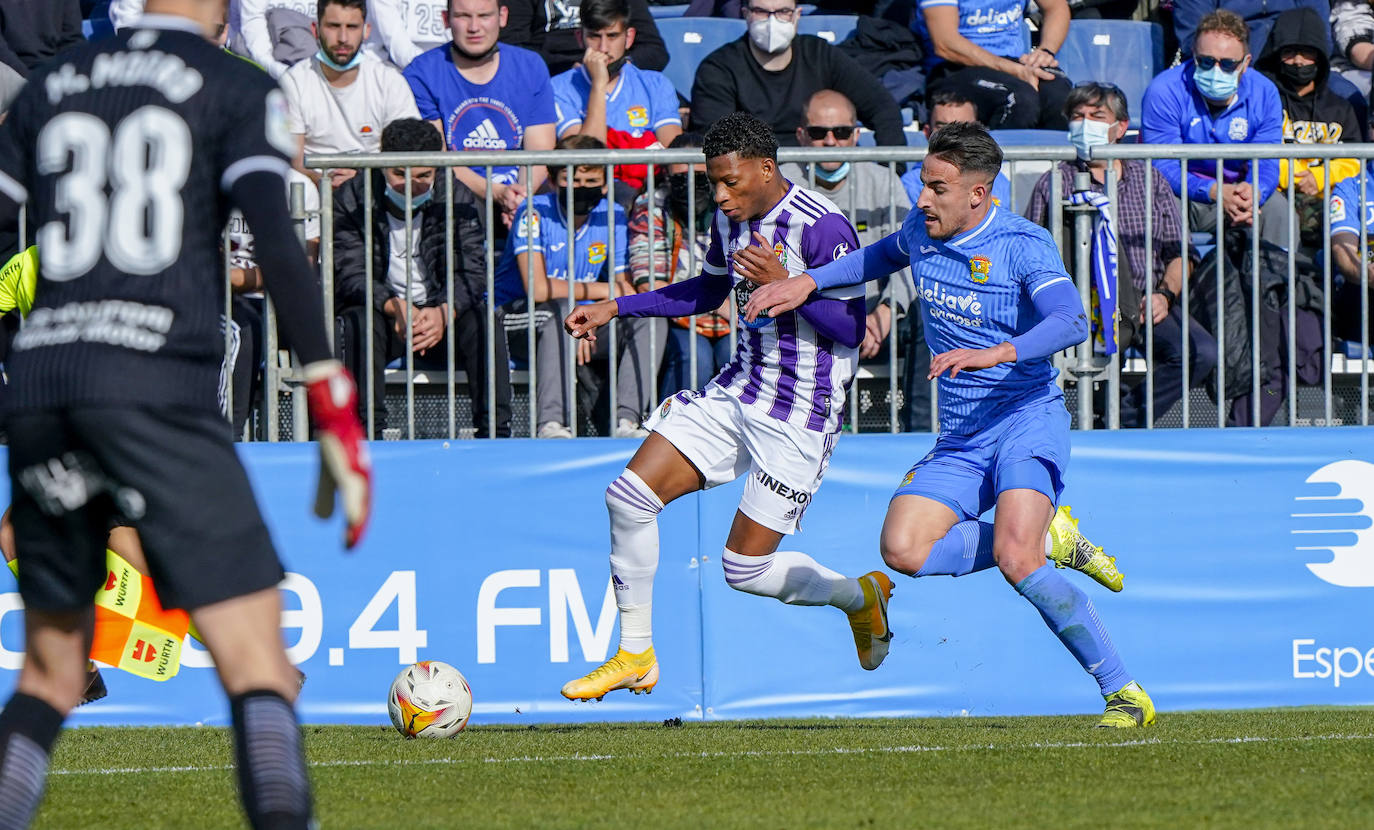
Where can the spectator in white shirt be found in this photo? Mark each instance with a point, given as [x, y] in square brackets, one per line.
[269, 32]
[405, 28]
[339, 100]
[125, 13]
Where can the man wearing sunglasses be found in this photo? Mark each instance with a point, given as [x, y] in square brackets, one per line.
[1214, 99]
[772, 70]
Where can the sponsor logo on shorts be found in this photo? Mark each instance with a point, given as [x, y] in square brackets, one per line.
[619, 583]
[790, 493]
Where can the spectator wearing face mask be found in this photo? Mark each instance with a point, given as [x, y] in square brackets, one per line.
[679, 210]
[544, 241]
[409, 284]
[1098, 115]
[1295, 60]
[772, 70]
[871, 194]
[1212, 98]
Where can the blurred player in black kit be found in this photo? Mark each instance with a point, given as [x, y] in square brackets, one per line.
[131, 152]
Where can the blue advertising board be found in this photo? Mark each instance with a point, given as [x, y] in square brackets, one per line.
[1248, 554]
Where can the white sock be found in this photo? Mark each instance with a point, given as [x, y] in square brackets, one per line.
[794, 578]
[634, 557]
[1049, 545]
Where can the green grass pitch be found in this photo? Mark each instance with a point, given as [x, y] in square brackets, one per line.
[1283, 768]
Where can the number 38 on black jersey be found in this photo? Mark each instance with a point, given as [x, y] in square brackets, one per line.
[126, 150]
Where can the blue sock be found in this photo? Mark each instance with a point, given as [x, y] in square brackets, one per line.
[966, 549]
[1070, 614]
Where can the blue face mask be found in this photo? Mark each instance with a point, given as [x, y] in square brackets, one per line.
[416, 202]
[832, 176]
[1216, 85]
[339, 67]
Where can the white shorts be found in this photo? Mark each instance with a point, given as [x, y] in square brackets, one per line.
[724, 439]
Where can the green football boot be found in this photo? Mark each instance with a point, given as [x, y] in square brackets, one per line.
[1128, 708]
[1071, 549]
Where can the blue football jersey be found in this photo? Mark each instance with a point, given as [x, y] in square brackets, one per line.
[975, 291]
[546, 233]
[1345, 211]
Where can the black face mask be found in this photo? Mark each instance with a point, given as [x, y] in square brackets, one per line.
[677, 195]
[480, 56]
[586, 198]
[1295, 77]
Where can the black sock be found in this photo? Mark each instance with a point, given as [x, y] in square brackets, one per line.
[271, 762]
[28, 730]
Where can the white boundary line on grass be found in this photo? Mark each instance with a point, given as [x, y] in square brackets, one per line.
[762, 753]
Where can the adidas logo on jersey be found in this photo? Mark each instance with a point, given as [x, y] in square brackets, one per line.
[484, 137]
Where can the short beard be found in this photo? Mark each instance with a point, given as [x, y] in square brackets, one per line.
[477, 57]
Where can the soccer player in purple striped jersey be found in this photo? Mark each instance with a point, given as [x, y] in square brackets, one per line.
[996, 304]
[773, 413]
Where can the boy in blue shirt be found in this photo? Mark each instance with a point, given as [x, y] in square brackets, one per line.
[483, 95]
[535, 267]
[611, 99]
[997, 305]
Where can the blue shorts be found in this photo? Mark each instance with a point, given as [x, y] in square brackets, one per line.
[1028, 449]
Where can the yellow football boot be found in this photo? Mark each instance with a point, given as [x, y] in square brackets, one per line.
[871, 631]
[1128, 708]
[636, 672]
[1071, 549]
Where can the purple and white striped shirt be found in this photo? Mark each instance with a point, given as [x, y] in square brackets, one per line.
[784, 366]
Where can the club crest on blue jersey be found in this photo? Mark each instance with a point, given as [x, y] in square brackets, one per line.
[638, 116]
[979, 268]
[596, 253]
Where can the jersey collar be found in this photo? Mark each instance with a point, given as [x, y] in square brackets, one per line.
[773, 211]
[169, 22]
[968, 236]
[619, 80]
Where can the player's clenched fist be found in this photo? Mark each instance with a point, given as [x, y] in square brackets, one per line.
[345, 466]
[586, 319]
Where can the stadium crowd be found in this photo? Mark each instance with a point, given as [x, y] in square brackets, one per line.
[363, 76]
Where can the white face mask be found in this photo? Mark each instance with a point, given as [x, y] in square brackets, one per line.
[772, 35]
[1086, 133]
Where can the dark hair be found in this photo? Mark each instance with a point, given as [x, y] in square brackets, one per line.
[688, 139]
[603, 14]
[411, 135]
[360, 5]
[743, 134]
[951, 96]
[577, 141]
[968, 147]
[1094, 94]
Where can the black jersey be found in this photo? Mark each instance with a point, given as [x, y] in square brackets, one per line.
[126, 149]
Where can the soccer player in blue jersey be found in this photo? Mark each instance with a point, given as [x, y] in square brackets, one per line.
[996, 305]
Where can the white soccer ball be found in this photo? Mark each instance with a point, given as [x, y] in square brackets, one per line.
[430, 700]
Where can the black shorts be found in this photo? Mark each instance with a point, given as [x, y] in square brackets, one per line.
[171, 473]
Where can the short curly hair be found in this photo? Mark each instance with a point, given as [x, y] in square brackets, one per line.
[743, 134]
[411, 135]
[1224, 22]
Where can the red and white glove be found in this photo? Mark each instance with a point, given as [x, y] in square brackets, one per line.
[345, 465]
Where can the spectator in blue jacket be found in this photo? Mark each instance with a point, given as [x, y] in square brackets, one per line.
[1213, 98]
[1258, 16]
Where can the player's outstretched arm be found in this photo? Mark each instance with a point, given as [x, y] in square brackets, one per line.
[345, 466]
[865, 264]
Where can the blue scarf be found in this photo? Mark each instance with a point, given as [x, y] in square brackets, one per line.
[1104, 270]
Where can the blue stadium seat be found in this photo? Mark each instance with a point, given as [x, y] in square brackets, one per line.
[1030, 138]
[831, 27]
[668, 11]
[1128, 53]
[690, 40]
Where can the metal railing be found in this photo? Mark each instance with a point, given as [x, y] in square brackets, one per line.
[877, 391]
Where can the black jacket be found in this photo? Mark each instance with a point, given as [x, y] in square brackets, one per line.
[528, 25]
[730, 80]
[32, 31]
[1321, 116]
[469, 252]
